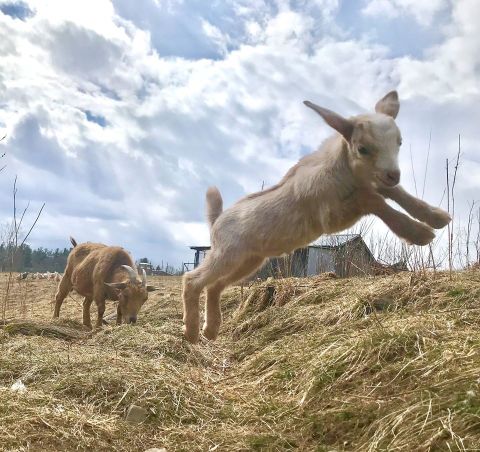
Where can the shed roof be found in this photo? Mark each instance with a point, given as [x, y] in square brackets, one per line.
[334, 241]
[324, 241]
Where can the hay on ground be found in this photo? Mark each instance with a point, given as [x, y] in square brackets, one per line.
[388, 363]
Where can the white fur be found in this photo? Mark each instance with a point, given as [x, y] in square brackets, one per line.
[325, 192]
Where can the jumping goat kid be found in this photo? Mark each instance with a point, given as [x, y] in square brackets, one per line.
[99, 272]
[350, 176]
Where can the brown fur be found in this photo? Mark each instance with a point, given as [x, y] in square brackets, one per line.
[91, 267]
[325, 192]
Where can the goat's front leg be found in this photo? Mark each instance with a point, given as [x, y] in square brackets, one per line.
[412, 231]
[433, 216]
[86, 312]
[101, 311]
[119, 315]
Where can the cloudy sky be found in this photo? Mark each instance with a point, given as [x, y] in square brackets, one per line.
[119, 114]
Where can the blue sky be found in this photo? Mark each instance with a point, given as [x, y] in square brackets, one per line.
[120, 114]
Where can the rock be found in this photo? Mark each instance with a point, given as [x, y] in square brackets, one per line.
[136, 414]
[471, 394]
[18, 386]
[382, 304]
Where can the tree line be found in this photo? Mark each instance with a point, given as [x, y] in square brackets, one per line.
[25, 259]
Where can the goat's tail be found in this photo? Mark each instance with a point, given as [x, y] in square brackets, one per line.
[73, 242]
[214, 205]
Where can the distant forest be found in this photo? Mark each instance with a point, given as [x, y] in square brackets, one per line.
[41, 259]
[36, 260]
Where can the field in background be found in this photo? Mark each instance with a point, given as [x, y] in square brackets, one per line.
[34, 299]
[388, 363]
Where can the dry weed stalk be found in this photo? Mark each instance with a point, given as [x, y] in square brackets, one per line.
[11, 239]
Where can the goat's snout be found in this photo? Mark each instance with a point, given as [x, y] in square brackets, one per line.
[132, 319]
[392, 177]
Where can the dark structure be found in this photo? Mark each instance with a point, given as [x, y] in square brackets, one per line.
[200, 253]
[342, 254]
[145, 266]
[150, 270]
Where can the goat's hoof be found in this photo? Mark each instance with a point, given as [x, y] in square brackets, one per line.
[438, 218]
[191, 336]
[423, 234]
[210, 333]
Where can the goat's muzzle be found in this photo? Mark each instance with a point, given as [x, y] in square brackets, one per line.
[132, 320]
[389, 178]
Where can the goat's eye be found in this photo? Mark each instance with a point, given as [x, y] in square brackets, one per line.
[363, 151]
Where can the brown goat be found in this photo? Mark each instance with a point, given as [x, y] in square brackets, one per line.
[100, 272]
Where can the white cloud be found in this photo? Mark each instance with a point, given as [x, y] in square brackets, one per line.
[216, 36]
[173, 126]
[452, 68]
[423, 11]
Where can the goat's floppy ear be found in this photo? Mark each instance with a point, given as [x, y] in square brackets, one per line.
[151, 288]
[339, 123]
[116, 285]
[388, 104]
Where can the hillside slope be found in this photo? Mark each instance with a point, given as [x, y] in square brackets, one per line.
[389, 363]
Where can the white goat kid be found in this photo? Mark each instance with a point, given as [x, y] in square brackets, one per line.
[325, 192]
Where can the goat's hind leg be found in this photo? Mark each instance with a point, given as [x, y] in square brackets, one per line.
[64, 289]
[191, 314]
[212, 269]
[213, 313]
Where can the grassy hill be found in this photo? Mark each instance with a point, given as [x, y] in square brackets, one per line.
[390, 363]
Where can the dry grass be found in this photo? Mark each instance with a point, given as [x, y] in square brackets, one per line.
[390, 363]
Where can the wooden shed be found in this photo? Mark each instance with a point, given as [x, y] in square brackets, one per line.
[343, 254]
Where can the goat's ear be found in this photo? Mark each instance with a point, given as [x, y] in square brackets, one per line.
[388, 104]
[151, 288]
[339, 123]
[117, 285]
